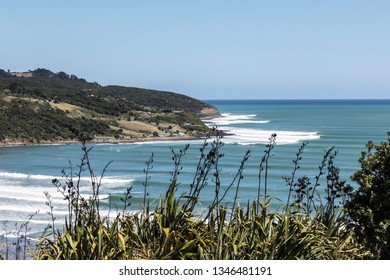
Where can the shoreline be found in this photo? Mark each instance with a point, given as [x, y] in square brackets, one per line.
[100, 140]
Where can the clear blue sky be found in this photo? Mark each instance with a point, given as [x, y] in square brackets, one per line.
[207, 49]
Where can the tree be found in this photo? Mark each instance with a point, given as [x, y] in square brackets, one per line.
[369, 207]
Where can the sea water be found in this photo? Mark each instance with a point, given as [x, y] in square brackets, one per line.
[26, 172]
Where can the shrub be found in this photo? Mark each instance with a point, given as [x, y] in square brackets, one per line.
[369, 207]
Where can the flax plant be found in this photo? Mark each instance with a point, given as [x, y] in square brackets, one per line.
[146, 170]
[173, 230]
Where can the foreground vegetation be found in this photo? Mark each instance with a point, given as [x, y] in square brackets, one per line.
[345, 224]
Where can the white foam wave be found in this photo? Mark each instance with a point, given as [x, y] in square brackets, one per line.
[15, 175]
[25, 193]
[104, 196]
[31, 193]
[29, 209]
[21, 197]
[249, 136]
[116, 180]
[48, 178]
[229, 119]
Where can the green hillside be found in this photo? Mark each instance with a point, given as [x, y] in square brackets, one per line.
[40, 105]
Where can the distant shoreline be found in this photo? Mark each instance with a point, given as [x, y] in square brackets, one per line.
[100, 140]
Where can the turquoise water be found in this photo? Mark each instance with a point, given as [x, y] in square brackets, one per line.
[27, 172]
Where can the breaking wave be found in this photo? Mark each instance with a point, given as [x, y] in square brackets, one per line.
[244, 135]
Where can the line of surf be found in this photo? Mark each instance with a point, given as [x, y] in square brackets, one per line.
[236, 134]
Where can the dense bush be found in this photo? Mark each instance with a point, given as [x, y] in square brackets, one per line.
[26, 121]
[369, 207]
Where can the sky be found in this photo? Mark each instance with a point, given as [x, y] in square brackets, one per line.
[248, 49]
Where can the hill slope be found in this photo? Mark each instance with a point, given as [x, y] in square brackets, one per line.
[40, 105]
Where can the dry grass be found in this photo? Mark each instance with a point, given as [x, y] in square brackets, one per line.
[65, 106]
[136, 126]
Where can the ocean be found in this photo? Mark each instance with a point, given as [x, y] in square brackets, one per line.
[27, 172]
